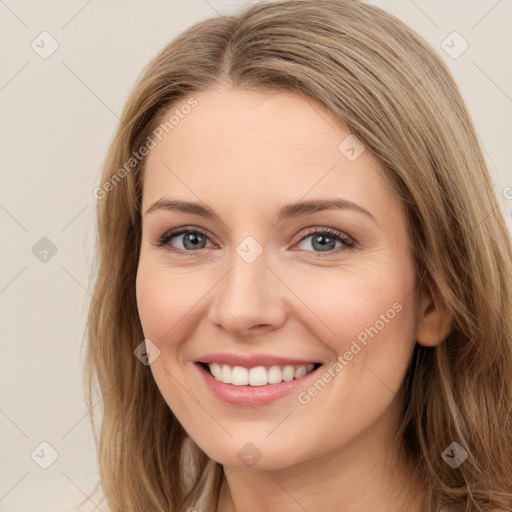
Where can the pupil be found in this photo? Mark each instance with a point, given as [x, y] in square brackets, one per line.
[323, 246]
[193, 239]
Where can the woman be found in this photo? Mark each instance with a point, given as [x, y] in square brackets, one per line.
[304, 291]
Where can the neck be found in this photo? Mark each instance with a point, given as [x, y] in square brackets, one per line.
[365, 475]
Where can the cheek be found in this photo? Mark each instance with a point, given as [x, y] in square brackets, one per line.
[368, 323]
[346, 306]
[166, 302]
[153, 302]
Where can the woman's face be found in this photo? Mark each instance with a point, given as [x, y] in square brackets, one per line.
[292, 252]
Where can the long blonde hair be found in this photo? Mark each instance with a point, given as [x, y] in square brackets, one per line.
[392, 90]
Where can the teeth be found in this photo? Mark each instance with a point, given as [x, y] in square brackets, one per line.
[216, 371]
[288, 373]
[259, 375]
[274, 375]
[239, 376]
[225, 374]
[300, 371]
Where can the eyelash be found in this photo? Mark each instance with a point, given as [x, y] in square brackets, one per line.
[332, 233]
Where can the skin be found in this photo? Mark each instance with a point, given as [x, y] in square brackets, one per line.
[244, 154]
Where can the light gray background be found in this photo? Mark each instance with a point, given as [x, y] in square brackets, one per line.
[58, 118]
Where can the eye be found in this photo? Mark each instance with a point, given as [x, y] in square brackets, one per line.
[191, 240]
[324, 241]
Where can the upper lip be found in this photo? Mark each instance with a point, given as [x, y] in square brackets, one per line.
[252, 360]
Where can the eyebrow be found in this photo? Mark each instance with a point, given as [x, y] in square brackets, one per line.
[292, 210]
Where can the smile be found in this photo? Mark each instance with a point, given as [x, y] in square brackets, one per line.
[258, 375]
[254, 380]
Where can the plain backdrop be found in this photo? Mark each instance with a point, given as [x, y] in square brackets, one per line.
[58, 116]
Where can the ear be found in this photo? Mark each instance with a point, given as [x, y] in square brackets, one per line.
[434, 321]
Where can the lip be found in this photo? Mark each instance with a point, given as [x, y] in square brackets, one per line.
[252, 396]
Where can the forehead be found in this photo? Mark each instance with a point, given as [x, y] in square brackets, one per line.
[258, 147]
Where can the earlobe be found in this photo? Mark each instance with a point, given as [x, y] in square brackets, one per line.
[434, 320]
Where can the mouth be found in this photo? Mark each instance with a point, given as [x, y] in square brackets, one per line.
[257, 376]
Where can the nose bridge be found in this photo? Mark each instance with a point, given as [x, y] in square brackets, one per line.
[245, 297]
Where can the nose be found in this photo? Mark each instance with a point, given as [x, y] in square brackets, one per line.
[248, 299]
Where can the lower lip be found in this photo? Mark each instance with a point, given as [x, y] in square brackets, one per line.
[252, 395]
